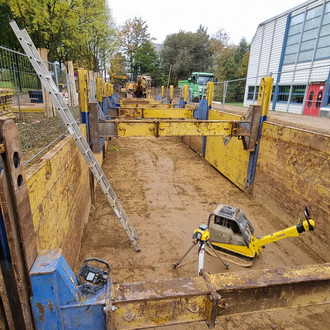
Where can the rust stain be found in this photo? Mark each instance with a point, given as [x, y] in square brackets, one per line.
[50, 306]
[41, 311]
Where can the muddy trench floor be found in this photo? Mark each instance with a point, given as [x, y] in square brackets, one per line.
[167, 191]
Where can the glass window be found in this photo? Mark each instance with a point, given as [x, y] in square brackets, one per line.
[312, 23]
[297, 94]
[310, 99]
[294, 39]
[291, 49]
[204, 79]
[324, 41]
[327, 8]
[310, 34]
[317, 11]
[307, 45]
[305, 56]
[297, 19]
[326, 18]
[283, 93]
[319, 99]
[322, 53]
[295, 29]
[290, 58]
[250, 93]
[325, 30]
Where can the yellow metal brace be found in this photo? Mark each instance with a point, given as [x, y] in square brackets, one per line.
[171, 92]
[185, 93]
[99, 89]
[83, 90]
[265, 93]
[184, 113]
[163, 92]
[209, 93]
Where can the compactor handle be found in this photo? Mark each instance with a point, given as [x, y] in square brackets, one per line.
[308, 217]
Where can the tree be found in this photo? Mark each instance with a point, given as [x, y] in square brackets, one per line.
[146, 62]
[186, 52]
[219, 42]
[78, 30]
[117, 63]
[232, 64]
[7, 36]
[133, 34]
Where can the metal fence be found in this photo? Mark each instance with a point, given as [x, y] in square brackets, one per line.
[293, 91]
[21, 94]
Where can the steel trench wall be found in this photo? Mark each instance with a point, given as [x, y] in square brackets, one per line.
[60, 190]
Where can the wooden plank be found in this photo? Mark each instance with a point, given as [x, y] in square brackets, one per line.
[94, 127]
[17, 182]
[17, 217]
[73, 89]
[49, 108]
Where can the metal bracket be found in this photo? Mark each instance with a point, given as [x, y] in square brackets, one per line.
[253, 117]
[156, 128]
[214, 301]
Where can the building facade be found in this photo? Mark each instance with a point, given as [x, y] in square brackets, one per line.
[294, 48]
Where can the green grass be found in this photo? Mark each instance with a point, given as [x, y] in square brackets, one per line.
[236, 104]
[6, 84]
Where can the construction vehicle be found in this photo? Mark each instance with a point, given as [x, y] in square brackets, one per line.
[197, 84]
[118, 81]
[232, 234]
[140, 89]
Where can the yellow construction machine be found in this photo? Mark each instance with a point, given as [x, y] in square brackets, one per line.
[232, 234]
[140, 89]
[118, 81]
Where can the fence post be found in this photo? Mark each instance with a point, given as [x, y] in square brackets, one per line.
[73, 100]
[225, 86]
[163, 92]
[171, 93]
[49, 109]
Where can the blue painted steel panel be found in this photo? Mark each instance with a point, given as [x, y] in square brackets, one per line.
[58, 302]
[85, 120]
[326, 92]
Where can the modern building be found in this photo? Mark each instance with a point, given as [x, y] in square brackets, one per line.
[294, 48]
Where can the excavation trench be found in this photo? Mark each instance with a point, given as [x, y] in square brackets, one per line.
[167, 191]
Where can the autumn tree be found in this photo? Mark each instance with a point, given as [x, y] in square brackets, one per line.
[118, 64]
[186, 52]
[133, 34]
[232, 64]
[79, 30]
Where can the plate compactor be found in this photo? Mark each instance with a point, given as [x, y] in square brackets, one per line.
[232, 234]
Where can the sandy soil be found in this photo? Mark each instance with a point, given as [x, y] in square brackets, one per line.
[168, 191]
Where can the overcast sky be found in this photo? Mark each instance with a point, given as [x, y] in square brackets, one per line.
[238, 17]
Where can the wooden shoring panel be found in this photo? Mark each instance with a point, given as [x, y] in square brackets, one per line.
[17, 219]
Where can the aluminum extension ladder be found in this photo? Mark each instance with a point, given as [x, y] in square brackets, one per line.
[67, 118]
